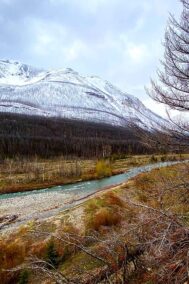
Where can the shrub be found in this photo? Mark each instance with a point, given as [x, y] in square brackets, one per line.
[163, 158]
[153, 159]
[105, 217]
[14, 254]
[173, 158]
[103, 169]
[112, 199]
[39, 249]
[23, 277]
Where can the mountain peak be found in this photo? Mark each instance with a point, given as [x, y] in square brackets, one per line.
[16, 73]
[65, 93]
[9, 61]
[70, 70]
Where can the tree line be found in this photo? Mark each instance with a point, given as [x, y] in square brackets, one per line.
[33, 135]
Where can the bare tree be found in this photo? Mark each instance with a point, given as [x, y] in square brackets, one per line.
[172, 88]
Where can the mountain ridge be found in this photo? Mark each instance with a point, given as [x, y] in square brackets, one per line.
[65, 93]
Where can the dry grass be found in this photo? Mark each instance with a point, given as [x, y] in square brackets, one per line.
[164, 188]
[22, 174]
[36, 173]
[105, 214]
[104, 211]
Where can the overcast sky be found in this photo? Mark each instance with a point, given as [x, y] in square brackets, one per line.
[118, 40]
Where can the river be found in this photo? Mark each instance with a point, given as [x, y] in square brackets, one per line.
[44, 203]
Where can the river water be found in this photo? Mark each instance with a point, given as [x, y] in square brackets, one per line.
[88, 187]
[45, 203]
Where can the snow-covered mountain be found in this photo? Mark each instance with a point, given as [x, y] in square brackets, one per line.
[65, 93]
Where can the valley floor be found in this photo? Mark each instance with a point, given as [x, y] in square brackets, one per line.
[43, 205]
[18, 175]
[136, 232]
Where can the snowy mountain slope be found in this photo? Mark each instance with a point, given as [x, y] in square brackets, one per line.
[65, 93]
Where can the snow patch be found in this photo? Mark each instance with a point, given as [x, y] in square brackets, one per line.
[65, 93]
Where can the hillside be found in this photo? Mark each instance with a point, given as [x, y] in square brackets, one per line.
[66, 94]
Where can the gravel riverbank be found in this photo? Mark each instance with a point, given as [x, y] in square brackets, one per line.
[44, 204]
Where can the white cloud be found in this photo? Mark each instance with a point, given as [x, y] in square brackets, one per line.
[137, 53]
[46, 37]
[75, 50]
[7, 2]
[139, 24]
[91, 6]
[53, 41]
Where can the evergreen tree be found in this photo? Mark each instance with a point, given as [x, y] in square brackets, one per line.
[52, 256]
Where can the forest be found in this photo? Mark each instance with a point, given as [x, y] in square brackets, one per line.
[22, 135]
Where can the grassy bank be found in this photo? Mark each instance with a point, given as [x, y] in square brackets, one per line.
[21, 175]
[136, 232]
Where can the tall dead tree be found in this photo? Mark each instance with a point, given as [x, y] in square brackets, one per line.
[172, 87]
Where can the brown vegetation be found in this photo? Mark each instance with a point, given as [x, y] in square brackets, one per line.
[103, 212]
[137, 233]
[27, 174]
